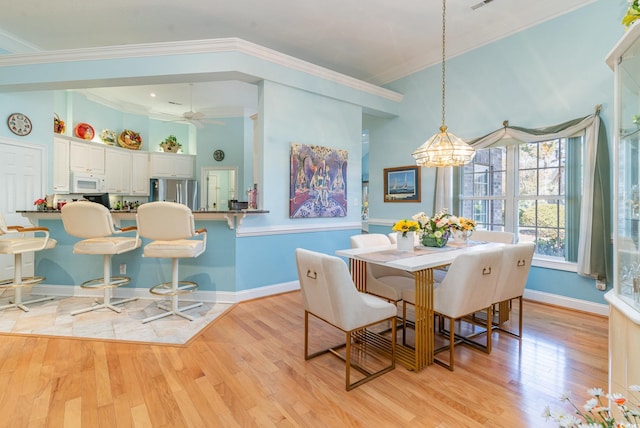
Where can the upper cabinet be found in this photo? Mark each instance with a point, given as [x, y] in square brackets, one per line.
[118, 171]
[60, 165]
[126, 171]
[172, 165]
[140, 173]
[86, 157]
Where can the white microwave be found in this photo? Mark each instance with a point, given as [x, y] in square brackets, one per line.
[83, 182]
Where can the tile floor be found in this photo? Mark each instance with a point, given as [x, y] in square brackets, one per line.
[53, 318]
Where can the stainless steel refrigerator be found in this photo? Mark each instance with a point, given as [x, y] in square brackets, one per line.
[175, 190]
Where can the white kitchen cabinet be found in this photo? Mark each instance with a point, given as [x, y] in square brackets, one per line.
[118, 171]
[60, 165]
[86, 157]
[172, 165]
[140, 173]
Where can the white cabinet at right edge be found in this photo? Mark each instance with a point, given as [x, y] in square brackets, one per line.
[624, 299]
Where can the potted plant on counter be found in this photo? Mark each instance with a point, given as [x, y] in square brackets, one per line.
[170, 144]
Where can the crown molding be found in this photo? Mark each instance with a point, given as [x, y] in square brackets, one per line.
[191, 47]
[14, 44]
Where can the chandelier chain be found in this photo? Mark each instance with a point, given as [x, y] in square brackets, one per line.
[444, 8]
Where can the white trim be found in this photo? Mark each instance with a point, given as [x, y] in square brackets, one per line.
[284, 287]
[191, 47]
[567, 302]
[143, 293]
[13, 43]
[554, 264]
[380, 222]
[244, 232]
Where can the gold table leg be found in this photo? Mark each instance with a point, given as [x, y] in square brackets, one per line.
[358, 273]
[424, 340]
[422, 355]
[503, 312]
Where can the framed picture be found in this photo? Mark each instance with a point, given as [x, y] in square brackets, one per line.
[402, 184]
[318, 181]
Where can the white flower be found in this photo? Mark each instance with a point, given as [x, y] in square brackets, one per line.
[421, 218]
[442, 223]
[566, 396]
[454, 220]
[595, 392]
[590, 404]
[634, 388]
[437, 234]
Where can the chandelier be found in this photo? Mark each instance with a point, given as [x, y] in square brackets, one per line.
[444, 148]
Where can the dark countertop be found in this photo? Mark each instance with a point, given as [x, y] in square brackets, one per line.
[134, 211]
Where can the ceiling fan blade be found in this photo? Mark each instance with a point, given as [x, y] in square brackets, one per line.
[197, 115]
[198, 124]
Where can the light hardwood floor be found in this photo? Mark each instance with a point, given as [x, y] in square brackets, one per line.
[248, 370]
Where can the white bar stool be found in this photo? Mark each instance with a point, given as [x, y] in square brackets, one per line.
[171, 226]
[17, 244]
[92, 222]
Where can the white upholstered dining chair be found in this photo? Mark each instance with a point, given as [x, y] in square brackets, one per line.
[17, 240]
[516, 263]
[493, 236]
[383, 281]
[330, 295]
[468, 287]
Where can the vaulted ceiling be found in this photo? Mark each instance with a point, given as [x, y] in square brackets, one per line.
[374, 40]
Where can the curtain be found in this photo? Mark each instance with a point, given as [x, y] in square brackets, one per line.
[594, 258]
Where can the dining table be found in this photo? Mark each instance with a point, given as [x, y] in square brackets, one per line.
[421, 262]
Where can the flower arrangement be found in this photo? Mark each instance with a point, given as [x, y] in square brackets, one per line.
[405, 226]
[108, 137]
[438, 227]
[595, 413]
[40, 204]
[170, 144]
[632, 14]
[463, 224]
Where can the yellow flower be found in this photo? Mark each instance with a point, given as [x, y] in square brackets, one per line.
[405, 226]
[632, 14]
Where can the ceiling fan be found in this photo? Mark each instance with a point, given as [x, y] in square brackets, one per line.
[196, 118]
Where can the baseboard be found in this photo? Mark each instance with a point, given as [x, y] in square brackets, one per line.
[269, 290]
[143, 293]
[567, 302]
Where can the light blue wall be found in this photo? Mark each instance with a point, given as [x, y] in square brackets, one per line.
[544, 75]
[291, 115]
[229, 138]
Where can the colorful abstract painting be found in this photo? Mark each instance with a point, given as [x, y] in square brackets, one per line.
[318, 182]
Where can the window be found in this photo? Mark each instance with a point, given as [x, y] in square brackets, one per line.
[531, 189]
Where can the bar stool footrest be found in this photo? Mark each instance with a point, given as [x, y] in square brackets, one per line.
[166, 288]
[26, 281]
[116, 281]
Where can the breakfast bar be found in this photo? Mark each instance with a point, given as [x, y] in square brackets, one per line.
[218, 270]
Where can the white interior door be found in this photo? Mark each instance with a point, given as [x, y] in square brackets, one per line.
[22, 181]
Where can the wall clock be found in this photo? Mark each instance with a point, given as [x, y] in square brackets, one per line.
[19, 124]
[218, 155]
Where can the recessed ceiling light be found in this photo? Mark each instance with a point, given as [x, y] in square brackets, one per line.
[153, 94]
